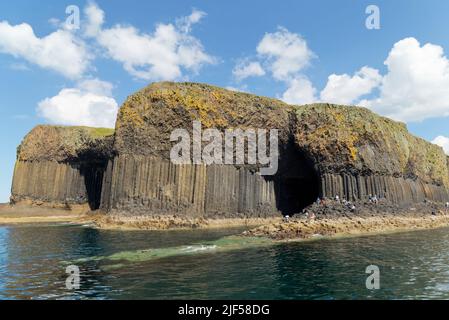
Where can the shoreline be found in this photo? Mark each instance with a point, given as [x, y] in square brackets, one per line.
[13, 215]
[344, 227]
[151, 223]
[274, 228]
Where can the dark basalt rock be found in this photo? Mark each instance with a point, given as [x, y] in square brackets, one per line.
[325, 150]
[62, 166]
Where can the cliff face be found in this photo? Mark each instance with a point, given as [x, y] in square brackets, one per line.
[141, 178]
[359, 153]
[147, 118]
[61, 166]
[325, 150]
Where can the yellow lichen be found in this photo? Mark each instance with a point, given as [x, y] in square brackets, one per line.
[128, 114]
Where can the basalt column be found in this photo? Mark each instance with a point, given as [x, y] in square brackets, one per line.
[61, 167]
[141, 179]
[359, 154]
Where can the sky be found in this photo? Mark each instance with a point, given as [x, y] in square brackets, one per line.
[58, 69]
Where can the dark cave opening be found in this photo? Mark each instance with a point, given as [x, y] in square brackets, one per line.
[93, 180]
[297, 183]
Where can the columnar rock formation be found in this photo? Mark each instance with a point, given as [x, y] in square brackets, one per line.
[359, 153]
[325, 150]
[61, 166]
[142, 179]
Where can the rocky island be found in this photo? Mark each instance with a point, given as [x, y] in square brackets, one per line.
[124, 177]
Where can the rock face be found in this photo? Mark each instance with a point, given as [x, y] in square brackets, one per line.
[358, 153]
[61, 166]
[142, 179]
[325, 150]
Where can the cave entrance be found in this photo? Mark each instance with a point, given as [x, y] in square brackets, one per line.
[296, 194]
[297, 184]
[93, 180]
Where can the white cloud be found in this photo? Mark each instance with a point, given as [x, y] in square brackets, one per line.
[94, 21]
[416, 84]
[284, 54]
[414, 88]
[96, 86]
[248, 69]
[300, 91]
[442, 142]
[60, 51]
[89, 104]
[287, 53]
[344, 89]
[185, 23]
[163, 55]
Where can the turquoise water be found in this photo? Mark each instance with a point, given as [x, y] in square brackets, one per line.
[216, 265]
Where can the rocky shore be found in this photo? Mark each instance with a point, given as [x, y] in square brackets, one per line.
[150, 222]
[337, 219]
[334, 220]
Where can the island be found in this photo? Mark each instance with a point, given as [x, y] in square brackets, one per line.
[341, 169]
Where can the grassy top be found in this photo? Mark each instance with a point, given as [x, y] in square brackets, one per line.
[92, 131]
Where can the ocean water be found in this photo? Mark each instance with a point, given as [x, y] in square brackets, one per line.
[215, 264]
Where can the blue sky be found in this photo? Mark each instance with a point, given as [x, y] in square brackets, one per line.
[299, 51]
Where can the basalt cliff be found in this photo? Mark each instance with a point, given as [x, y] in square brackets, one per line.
[61, 167]
[324, 150]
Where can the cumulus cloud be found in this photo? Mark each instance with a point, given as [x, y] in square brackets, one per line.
[416, 84]
[248, 69]
[443, 142]
[414, 87]
[287, 53]
[60, 51]
[284, 55]
[162, 55]
[344, 89]
[88, 104]
[300, 91]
